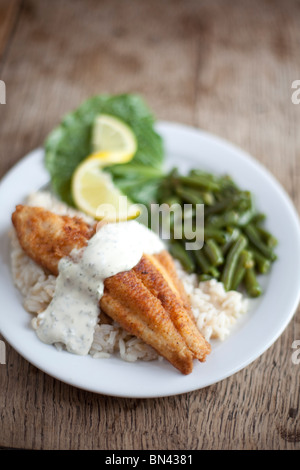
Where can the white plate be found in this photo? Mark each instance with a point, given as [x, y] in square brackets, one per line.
[268, 316]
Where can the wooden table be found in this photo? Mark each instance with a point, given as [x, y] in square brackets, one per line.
[226, 67]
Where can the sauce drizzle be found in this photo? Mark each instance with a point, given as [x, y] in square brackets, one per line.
[72, 315]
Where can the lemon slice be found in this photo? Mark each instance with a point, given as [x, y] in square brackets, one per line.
[114, 138]
[95, 194]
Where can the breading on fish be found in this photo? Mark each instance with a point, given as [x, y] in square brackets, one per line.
[167, 265]
[47, 237]
[130, 303]
[154, 278]
[143, 303]
[149, 301]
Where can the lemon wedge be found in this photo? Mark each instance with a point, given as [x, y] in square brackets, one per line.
[95, 194]
[93, 191]
[113, 141]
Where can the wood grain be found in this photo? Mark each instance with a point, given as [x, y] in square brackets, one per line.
[226, 67]
[9, 10]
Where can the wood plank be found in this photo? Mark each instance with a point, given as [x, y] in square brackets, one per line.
[9, 10]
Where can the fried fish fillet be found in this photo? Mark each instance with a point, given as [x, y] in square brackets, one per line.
[156, 280]
[128, 301]
[148, 301]
[166, 265]
[154, 312]
[47, 237]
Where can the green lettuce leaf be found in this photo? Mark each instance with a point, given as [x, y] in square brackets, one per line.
[69, 143]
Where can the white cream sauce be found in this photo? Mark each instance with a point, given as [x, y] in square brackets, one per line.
[73, 312]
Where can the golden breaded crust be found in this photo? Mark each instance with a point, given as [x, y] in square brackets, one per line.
[47, 237]
[146, 302]
[154, 280]
[130, 303]
[167, 262]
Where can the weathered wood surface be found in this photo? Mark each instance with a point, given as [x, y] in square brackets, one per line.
[9, 11]
[226, 67]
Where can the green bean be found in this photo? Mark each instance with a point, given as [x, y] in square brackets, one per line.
[231, 261]
[188, 195]
[198, 181]
[238, 277]
[164, 195]
[204, 277]
[244, 201]
[171, 200]
[213, 252]
[208, 198]
[215, 272]
[167, 186]
[268, 238]
[204, 174]
[233, 233]
[202, 261]
[219, 236]
[245, 217]
[205, 265]
[252, 285]
[236, 245]
[184, 256]
[262, 263]
[259, 218]
[253, 235]
[227, 185]
[223, 220]
[204, 197]
[173, 173]
[225, 179]
[248, 259]
[245, 261]
[220, 206]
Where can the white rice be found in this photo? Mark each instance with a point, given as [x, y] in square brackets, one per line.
[215, 310]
